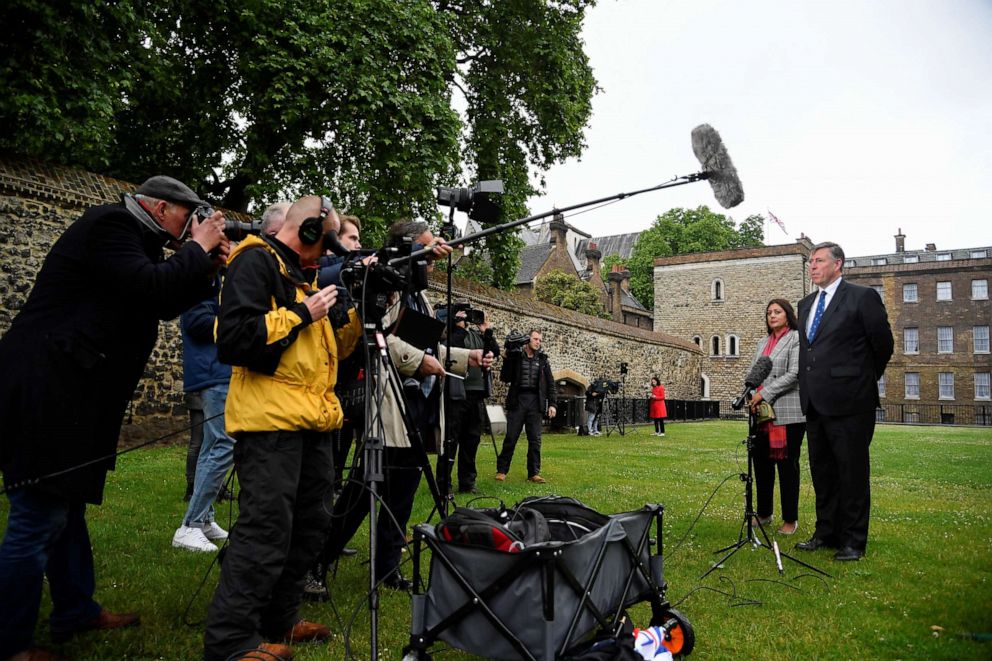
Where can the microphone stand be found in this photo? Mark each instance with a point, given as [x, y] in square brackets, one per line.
[747, 535]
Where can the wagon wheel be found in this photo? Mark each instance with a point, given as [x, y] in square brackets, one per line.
[679, 636]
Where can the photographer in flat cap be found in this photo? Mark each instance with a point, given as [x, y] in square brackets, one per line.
[68, 367]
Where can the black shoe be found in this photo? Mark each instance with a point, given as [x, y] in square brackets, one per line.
[812, 544]
[347, 552]
[396, 581]
[472, 490]
[315, 586]
[848, 554]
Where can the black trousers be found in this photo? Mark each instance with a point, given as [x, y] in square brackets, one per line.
[286, 480]
[659, 425]
[839, 463]
[527, 415]
[463, 426]
[341, 442]
[402, 478]
[788, 473]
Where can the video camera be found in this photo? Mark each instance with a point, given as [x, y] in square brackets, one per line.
[605, 386]
[373, 282]
[479, 201]
[516, 341]
[472, 315]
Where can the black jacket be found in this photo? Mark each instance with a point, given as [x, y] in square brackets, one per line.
[72, 358]
[509, 373]
[839, 371]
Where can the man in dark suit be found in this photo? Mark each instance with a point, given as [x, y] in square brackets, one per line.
[845, 344]
[69, 365]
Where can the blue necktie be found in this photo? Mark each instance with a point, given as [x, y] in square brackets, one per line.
[817, 316]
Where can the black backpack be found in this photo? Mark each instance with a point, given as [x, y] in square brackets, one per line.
[509, 531]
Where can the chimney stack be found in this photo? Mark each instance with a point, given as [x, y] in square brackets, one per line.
[900, 241]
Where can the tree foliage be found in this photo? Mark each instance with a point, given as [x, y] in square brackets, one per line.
[682, 231]
[253, 101]
[567, 291]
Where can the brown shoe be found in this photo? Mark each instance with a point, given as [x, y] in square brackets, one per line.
[536, 479]
[38, 654]
[102, 622]
[306, 632]
[501, 477]
[268, 652]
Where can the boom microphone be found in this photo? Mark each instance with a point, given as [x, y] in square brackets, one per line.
[717, 166]
[755, 377]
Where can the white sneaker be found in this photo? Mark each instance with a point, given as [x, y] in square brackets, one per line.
[661, 434]
[213, 532]
[192, 539]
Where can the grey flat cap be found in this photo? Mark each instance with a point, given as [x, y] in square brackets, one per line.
[171, 190]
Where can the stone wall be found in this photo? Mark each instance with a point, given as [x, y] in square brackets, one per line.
[687, 305]
[581, 348]
[38, 201]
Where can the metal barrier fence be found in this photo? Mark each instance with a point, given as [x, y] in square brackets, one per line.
[571, 412]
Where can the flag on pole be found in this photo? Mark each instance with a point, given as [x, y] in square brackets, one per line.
[775, 220]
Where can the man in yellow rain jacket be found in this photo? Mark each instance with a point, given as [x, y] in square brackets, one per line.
[284, 338]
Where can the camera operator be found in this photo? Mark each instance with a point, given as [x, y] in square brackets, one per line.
[420, 370]
[531, 394]
[465, 410]
[284, 341]
[70, 363]
[595, 395]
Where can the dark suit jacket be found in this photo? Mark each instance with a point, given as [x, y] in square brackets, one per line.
[839, 372]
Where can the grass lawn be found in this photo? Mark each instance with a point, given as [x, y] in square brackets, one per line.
[923, 592]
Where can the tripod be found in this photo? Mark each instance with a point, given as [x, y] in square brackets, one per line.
[382, 391]
[747, 534]
[617, 409]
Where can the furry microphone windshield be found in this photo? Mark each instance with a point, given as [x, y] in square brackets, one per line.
[719, 169]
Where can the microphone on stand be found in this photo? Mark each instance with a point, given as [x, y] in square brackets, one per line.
[718, 169]
[755, 377]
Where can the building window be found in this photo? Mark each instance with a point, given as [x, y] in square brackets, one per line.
[983, 386]
[911, 259]
[911, 416]
[911, 340]
[717, 290]
[880, 290]
[943, 291]
[910, 293]
[979, 290]
[881, 386]
[945, 339]
[944, 257]
[912, 385]
[715, 346]
[733, 345]
[878, 261]
[979, 254]
[704, 386]
[981, 338]
[946, 385]
[697, 340]
[849, 263]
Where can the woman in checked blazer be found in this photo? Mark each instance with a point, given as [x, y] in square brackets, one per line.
[780, 441]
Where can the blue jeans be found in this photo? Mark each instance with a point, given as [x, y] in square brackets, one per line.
[216, 458]
[591, 421]
[45, 535]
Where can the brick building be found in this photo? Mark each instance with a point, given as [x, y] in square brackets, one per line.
[939, 309]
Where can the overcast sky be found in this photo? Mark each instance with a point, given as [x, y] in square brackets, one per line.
[847, 119]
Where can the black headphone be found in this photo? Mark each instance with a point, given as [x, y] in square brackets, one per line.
[312, 229]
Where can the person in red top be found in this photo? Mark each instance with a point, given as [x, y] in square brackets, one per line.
[658, 410]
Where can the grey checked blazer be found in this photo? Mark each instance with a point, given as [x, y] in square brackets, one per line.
[781, 388]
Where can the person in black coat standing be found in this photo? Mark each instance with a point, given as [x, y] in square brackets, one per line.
[845, 343]
[69, 365]
[531, 395]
